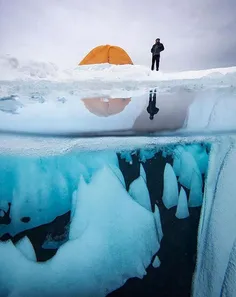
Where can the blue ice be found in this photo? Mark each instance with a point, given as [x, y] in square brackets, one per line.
[182, 211]
[118, 173]
[127, 156]
[139, 192]
[117, 235]
[229, 285]
[177, 159]
[25, 246]
[145, 154]
[91, 186]
[216, 239]
[156, 263]
[158, 222]
[200, 155]
[40, 189]
[196, 195]
[187, 166]
[170, 192]
[143, 173]
[51, 243]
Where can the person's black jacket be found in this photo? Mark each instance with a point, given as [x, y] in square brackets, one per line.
[152, 109]
[157, 48]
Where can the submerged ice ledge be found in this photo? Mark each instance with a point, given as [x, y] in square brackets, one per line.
[53, 180]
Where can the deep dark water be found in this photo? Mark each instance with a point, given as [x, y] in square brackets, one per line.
[178, 246]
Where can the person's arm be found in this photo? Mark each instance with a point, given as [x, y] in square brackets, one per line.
[162, 48]
[152, 49]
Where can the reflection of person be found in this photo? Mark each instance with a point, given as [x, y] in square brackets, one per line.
[152, 109]
[156, 49]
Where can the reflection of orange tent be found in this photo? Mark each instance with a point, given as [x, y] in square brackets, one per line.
[107, 54]
[103, 107]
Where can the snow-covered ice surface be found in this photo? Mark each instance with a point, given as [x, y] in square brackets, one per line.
[62, 102]
[114, 233]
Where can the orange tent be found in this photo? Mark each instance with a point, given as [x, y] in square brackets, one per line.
[103, 107]
[107, 54]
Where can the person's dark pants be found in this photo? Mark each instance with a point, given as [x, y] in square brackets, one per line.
[155, 59]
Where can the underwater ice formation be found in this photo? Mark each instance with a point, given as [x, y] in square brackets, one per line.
[40, 189]
[139, 192]
[143, 173]
[196, 196]
[24, 245]
[188, 166]
[111, 228]
[156, 263]
[182, 207]
[104, 237]
[170, 193]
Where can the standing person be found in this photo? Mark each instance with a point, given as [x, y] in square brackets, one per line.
[156, 49]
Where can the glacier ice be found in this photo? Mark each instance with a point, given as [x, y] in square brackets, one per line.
[170, 192]
[158, 222]
[139, 192]
[79, 222]
[73, 203]
[143, 173]
[35, 185]
[214, 275]
[25, 246]
[118, 173]
[197, 152]
[182, 211]
[156, 263]
[177, 158]
[111, 240]
[202, 161]
[78, 178]
[229, 284]
[195, 196]
[217, 224]
[200, 155]
[187, 166]
[127, 156]
[53, 243]
[145, 154]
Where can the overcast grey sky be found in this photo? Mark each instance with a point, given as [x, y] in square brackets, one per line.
[197, 34]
